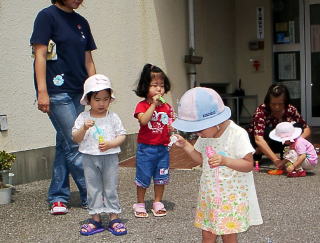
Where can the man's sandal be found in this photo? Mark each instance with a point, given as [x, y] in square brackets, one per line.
[140, 210]
[158, 209]
[87, 229]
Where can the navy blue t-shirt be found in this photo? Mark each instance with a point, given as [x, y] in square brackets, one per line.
[66, 71]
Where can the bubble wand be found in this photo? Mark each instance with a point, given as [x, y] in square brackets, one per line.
[162, 99]
[257, 167]
[173, 138]
[210, 152]
[100, 137]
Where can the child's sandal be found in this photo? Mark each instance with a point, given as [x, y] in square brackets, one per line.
[87, 229]
[140, 210]
[158, 209]
[116, 227]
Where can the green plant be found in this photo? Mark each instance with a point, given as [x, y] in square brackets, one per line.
[6, 160]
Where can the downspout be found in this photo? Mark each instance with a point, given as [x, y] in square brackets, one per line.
[192, 67]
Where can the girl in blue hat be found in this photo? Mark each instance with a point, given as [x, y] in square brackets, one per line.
[227, 201]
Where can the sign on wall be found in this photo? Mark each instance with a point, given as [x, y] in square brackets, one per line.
[260, 23]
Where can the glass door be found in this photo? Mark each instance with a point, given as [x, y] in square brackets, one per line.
[287, 48]
[312, 41]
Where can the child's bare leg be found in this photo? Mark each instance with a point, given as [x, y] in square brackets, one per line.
[158, 192]
[208, 237]
[230, 238]
[141, 191]
[96, 217]
[113, 216]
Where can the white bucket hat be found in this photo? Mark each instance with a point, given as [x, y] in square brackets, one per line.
[200, 108]
[96, 83]
[285, 131]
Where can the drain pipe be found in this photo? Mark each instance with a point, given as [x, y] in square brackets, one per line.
[192, 67]
[191, 58]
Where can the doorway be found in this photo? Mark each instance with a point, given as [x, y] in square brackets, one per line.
[296, 53]
[312, 57]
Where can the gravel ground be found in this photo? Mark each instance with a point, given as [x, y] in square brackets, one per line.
[290, 210]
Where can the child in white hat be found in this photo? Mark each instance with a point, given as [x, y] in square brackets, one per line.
[227, 202]
[100, 133]
[299, 155]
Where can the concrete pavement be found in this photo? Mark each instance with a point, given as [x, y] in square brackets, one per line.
[290, 210]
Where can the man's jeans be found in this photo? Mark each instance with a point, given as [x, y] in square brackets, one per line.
[64, 109]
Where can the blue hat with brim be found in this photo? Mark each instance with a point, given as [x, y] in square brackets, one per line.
[200, 108]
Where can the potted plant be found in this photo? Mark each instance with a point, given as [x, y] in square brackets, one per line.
[6, 161]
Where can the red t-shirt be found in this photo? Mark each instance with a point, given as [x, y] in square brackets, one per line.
[156, 131]
[263, 119]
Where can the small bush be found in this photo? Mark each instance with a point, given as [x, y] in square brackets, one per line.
[6, 160]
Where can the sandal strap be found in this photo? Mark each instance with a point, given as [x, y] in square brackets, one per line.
[158, 206]
[87, 227]
[139, 208]
[95, 223]
[118, 226]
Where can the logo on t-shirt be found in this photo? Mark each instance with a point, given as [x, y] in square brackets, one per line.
[58, 80]
[81, 32]
[158, 121]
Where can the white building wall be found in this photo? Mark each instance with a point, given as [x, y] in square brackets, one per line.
[215, 34]
[254, 82]
[27, 127]
[127, 34]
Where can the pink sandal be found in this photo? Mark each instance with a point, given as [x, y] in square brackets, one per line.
[157, 207]
[140, 210]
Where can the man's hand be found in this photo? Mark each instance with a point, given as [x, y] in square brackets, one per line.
[43, 102]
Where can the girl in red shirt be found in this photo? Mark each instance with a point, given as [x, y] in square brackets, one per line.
[152, 156]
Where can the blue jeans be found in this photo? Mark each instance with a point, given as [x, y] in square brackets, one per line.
[152, 161]
[64, 109]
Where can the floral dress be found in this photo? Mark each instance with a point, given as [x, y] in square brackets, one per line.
[226, 196]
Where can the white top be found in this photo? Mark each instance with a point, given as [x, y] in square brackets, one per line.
[229, 195]
[109, 127]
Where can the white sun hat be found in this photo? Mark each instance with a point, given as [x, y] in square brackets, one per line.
[96, 83]
[285, 131]
[200, 108]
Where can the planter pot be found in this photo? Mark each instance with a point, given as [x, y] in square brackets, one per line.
[5, 195]
[5, 176]
[11, 175]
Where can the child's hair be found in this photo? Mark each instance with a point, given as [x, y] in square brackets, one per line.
[57, 1]
[148, 73]
[94, 93]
